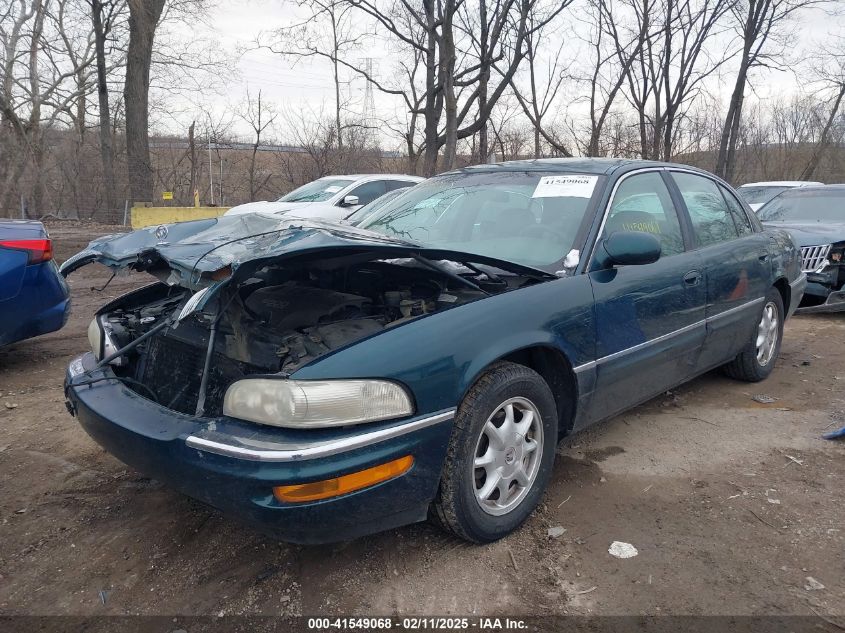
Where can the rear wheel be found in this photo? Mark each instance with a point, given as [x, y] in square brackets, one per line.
[757, 359]
[500, 454]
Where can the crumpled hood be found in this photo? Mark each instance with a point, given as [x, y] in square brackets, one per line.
[811, 233]
[193, 251]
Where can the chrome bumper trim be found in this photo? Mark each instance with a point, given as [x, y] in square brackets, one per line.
[317, 450]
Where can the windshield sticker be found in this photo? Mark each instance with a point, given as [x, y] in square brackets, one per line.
[565, 186]
[332, 189]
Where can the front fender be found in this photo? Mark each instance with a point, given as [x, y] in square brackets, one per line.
[439, 356]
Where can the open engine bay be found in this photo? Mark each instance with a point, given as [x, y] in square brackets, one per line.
[277, 320]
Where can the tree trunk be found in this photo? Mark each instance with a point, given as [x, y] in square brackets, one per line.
[728, 141]
[143, 19]
[433, 97]
[450, 99]
[106, 145]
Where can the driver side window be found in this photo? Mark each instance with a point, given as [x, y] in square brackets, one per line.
[642, 203]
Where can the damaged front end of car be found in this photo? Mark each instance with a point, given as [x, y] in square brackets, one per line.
[824, 266]
[255, 296]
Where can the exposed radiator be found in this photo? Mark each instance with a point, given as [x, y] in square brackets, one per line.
[814, 257]
[172, 369]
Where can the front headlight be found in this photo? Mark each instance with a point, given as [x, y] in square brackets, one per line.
[315, 403]
[95, 338]
[102, 340]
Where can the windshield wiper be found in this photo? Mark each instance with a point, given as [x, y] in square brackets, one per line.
[451, 275]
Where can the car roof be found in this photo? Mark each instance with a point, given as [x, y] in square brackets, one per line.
[597, 166]
[382, 176]
[783, 183]
[813, 189]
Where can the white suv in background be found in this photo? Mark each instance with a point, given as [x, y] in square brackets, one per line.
[331, 197]
[756, 194]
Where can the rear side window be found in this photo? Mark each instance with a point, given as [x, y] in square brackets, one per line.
[642, 203]
[398, 184]
[740, 218]
[712, 220]
[369, 191]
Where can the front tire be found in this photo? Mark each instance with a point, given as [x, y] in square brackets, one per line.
[500, 454]
[757, 359]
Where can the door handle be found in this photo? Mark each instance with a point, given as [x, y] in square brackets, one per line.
[692, 278]
[764, 257]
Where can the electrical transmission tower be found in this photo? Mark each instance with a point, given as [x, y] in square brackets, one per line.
[369, 101]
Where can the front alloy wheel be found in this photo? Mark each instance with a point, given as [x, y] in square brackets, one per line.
[507, 456]
[500, 454]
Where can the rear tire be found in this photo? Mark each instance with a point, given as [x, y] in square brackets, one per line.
[757, 359]
[500, 455]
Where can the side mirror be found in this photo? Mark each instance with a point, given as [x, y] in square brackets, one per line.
[631, 248]
[349, 201]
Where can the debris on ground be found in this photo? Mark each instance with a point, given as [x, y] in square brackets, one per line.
[813, 584]
[763, 398]
[556, 531]
[11, 405]
[835, 435]
[793, 460]
[622, 550]
[581, 593]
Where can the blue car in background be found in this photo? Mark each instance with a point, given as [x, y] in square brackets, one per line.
[34, 298]
[325, 381]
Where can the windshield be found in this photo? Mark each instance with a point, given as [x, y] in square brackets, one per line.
[376, 205]
[760, 195]
[815, 205]
[530, 218]
[317, 191]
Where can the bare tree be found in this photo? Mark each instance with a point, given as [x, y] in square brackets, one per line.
[831, 72]
[761, 26]
[543, 88]
[328, 33]
[104, 15]
[41, 81]
[616, 42]
[672, 64]
[259, 116]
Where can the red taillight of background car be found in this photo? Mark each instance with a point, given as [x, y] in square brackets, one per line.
[40, 250]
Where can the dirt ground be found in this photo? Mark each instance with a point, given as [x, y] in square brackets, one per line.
[731, 504]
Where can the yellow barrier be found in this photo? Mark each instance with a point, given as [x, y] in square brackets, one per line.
[153, 216]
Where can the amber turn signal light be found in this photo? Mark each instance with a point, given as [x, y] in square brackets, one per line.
[327, 488]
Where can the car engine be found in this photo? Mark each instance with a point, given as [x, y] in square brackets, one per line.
[278, 320]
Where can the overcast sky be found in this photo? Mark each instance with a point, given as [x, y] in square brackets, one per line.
[308, 84]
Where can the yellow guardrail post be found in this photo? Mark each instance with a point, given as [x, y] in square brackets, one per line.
[153, 216]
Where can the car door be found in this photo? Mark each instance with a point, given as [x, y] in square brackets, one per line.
[650, 318]
[736, 264]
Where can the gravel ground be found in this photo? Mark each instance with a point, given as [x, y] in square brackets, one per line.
[731, 504]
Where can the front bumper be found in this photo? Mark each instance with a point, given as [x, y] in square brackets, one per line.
[233, 465]
[822, 293]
